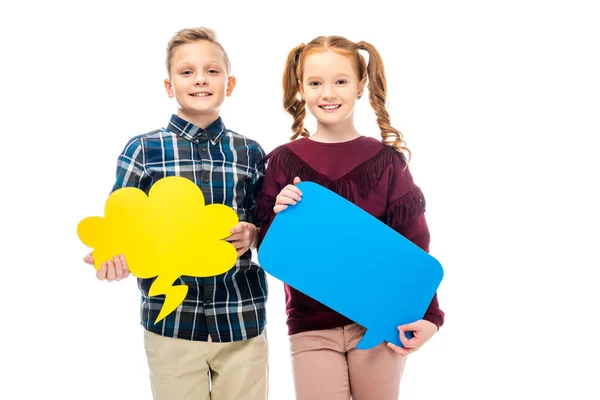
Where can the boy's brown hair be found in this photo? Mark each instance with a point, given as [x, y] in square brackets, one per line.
[190, 35]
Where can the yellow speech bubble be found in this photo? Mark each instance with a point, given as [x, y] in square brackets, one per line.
[167, 234]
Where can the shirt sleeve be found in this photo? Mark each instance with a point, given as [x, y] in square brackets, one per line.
[252, 192]
[405, 214]
[131, 167]
[267, 189]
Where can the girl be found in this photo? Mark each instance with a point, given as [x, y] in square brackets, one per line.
[327, 76]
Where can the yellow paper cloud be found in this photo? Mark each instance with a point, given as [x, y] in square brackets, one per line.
[169, 233]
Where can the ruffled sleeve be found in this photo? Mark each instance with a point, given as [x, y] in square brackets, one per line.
[405, 213]
[267, 189]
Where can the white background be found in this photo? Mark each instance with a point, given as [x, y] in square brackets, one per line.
[499, 103]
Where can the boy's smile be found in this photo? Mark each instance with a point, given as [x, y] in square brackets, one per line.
[201, 94]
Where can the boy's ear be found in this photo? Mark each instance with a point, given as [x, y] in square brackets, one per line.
[230, 85]
[169, 88]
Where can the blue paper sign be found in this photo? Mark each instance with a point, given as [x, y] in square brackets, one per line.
[351, 262]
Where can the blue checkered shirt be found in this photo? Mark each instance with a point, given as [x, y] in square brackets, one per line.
[231, 306]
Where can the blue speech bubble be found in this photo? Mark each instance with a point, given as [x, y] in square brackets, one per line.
[351, 262]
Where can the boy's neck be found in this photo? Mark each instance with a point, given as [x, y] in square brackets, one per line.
[201, 120]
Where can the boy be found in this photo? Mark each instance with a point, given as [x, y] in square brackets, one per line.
[213, 345]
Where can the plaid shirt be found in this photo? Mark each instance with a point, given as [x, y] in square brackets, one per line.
[230, 306]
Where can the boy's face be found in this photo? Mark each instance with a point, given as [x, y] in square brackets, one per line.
[199, 81]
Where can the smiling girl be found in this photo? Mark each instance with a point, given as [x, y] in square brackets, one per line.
[327, 76]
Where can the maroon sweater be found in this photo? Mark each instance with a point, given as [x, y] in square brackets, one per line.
[362, 170]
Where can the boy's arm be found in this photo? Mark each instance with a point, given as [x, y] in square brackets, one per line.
[131, 172]
[131, 167]
[244, 235]
[255, 185]
[253, 192]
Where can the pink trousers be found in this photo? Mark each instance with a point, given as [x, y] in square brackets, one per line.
[327, 366]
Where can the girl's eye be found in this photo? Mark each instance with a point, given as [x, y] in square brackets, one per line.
[314, 83]
[342, 81]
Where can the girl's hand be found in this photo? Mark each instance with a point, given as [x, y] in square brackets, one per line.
[422, 331]
[289, 195]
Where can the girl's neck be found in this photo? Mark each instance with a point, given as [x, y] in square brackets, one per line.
[338, 133]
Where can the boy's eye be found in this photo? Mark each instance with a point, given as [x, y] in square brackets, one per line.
[213, 71]
[186, 72]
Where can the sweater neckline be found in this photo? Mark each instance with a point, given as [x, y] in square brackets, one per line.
[347, 142]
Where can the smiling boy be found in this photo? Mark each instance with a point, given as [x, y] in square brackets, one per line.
[213, 346]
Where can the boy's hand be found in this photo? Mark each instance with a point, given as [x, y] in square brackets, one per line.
[289, 195]
[422, 331]
[243, 236]
[111, 270]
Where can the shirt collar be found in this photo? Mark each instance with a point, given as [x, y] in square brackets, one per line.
[195, 134]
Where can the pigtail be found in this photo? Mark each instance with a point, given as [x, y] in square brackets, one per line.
[377, 86]
[292, 104]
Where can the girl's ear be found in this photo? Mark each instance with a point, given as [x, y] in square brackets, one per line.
[361, 87]
[301, 90]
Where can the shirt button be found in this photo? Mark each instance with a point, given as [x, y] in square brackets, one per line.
[203, 149]
[207, 303]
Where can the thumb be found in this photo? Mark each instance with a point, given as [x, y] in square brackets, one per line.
[408, 327]
[296, 180]
[88, 259]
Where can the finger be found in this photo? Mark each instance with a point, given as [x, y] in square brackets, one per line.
[101, 273]
[398, 349]
[88, 259]
[118, 268]
[296, 180]
[125, 266]
[409, 327]
[240, 247]
[110, 273]
[238, 236]
[292, 194]
[279, 208]
[285, 200]
[293, 189]
[236, 244]
[239, 227]
[241, 244]
[408, 343]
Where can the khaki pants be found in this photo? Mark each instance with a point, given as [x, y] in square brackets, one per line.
[327, 366]
[191, 370]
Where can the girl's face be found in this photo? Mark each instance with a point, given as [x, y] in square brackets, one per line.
[330, 87]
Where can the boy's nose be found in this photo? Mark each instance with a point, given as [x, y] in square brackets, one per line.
[200, 80]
